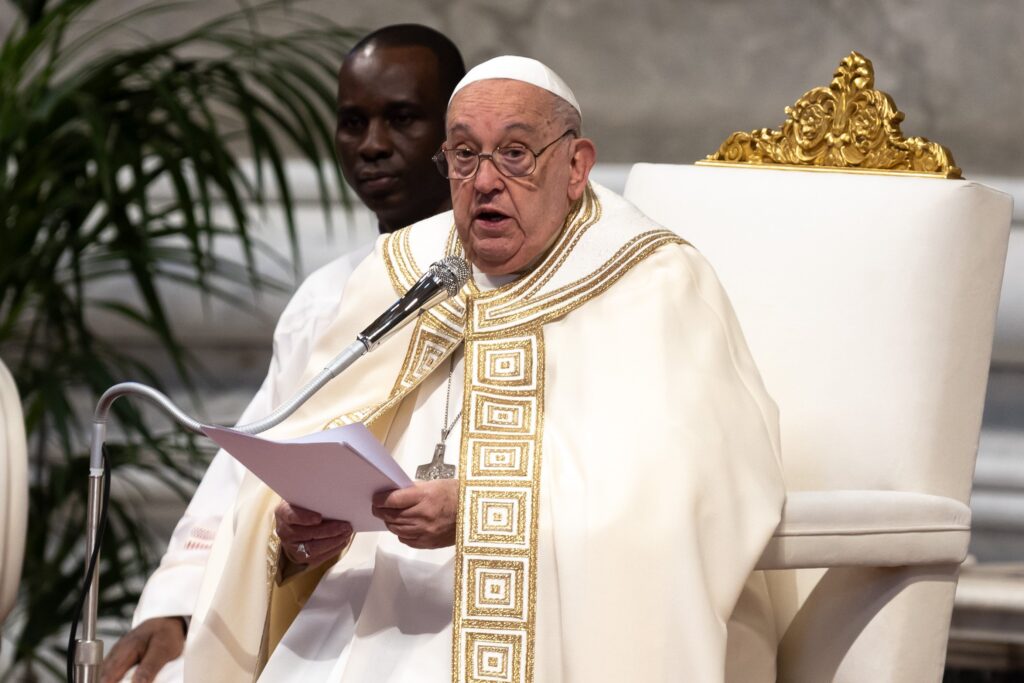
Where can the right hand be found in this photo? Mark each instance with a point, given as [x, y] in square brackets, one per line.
[151, 645]
[321, 538]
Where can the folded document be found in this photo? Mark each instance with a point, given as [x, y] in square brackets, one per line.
[334, 472]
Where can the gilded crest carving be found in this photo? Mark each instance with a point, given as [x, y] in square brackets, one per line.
[848, 125]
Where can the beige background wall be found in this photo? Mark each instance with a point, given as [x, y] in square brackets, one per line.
[667, 80]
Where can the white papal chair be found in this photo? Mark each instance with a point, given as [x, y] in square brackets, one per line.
[13, 491]
[868, 300]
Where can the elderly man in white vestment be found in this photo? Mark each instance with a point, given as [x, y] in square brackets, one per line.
[613, 451]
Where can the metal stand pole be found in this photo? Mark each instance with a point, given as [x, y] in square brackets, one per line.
[89, 649]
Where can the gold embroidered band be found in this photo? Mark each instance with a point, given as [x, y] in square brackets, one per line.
[496, 546]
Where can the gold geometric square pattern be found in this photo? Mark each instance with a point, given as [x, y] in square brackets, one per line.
[494, 657]
[497, 589]
[430, 353]
[497, 516]
[503, 414]
[496, 548]
[428, 348]
[504, 459]
[505, 363]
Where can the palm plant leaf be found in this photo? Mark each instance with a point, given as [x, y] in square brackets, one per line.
[129, 166]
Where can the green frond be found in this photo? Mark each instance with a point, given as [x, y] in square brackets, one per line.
[129, 166]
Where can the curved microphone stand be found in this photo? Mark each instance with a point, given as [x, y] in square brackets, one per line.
[443, 279]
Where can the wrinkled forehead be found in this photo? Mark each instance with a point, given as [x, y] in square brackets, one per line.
[502, 102]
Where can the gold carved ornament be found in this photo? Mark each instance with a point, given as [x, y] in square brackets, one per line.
[847, 126]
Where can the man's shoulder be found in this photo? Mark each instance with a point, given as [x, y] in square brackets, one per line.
[327, 277]
[671, 251]
[429, 232]
[605, 238]
[318, 294]
[411, 250]
[617, 210]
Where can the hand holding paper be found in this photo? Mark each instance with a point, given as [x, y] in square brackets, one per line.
[422, 516]
[306, 537]
[335, 472]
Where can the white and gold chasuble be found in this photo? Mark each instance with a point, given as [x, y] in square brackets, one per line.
[618, 471]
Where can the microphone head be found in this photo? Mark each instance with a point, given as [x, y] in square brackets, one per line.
[452, 272]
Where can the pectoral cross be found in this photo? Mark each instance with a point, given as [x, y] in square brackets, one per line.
[436, 468]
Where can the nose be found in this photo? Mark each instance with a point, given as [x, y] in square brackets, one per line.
[376, 143]
[487, 178]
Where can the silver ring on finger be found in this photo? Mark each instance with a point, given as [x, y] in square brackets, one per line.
[302, 551]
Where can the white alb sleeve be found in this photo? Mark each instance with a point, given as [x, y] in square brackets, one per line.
[173, 588]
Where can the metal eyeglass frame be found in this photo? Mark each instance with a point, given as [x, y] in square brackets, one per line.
[441, 160]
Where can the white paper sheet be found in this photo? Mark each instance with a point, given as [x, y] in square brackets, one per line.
[334, 472]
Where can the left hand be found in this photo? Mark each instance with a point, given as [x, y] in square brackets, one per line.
[307, 539]
[150, 645]
[422, 515]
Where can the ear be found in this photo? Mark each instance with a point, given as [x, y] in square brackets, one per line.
[584, 155]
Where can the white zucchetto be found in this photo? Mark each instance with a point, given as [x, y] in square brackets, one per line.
[519, 69]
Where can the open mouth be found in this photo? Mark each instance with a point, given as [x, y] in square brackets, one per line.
[490, 218]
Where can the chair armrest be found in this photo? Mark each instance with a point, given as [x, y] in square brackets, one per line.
[868, 529]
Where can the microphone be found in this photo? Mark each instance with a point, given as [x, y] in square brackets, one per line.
[443, 279]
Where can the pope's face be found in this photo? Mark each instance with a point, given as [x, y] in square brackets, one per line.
[507, 224]
[390, 123]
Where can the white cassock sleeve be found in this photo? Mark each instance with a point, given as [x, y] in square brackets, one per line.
[174, 586]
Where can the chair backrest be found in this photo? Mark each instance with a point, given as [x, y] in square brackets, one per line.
[13, 491]
[868, 302]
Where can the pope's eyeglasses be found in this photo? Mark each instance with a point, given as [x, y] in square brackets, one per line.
[514, 161]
